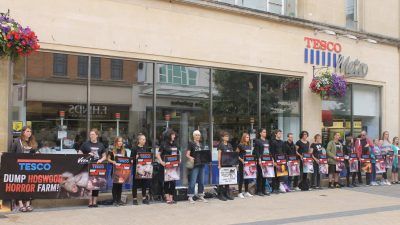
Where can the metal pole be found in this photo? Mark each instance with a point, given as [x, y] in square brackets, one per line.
[211, 122]
[88, 111]
[62, 129]
[117, 127]
[259, 100]
[154, 108]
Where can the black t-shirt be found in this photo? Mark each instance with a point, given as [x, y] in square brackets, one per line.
[225, 148]
[317, 149]
[194, 148]
[348, 149]
[303, 147]
[137, 149]
[365, 150]
[242, 150]
[289, 148]
[277, 147]
[118, 153]
[261, 147]
[168, 148]
[97, 149]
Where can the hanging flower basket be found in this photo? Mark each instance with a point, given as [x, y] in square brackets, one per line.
[15, 40]
[328, 84]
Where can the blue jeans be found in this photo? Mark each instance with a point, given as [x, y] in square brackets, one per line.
[373, 172]
[196, 175]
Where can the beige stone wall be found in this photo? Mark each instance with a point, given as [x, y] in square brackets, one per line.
[5, 106]
[172, 32]
[323, 11]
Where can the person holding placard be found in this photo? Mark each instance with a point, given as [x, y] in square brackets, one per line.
[168, 147]
[26, 143]
[224, 147]
[261, 147]
[193, 153]
[317, 150]
[334, 147]
[386, 147]
[348, 150]
[243, 147]
[290, 150]
[97, 152]
[139, 147]
[117, 151]
[395, 166]
[277, 148]
[303, 146]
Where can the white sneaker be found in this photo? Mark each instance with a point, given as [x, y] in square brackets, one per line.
[297, 189]
[241, 195]
[202, 199]
[282, 188]
[191, 200]
[247, 194]
[374, 184]
[388, 183]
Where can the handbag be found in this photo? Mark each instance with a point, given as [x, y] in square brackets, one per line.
[189, 164]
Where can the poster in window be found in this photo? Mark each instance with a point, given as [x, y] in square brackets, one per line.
[293, 166]
[267, 166]
[250, 167]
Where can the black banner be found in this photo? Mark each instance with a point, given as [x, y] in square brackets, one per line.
[44, 176]
[229, 158]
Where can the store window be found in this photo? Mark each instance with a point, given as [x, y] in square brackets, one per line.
[116, 69]
[83, 67]
[60, 64]
[276, 6]
[179, 75]
[280, 104]
[351, 14]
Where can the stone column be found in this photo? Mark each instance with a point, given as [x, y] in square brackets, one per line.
[6, 77]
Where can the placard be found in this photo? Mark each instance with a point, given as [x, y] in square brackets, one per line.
[308, 166]
[250, 167]
[340, 166]
[227, 175]
[380, 166]
[389, 159]
[122, 170]
[353, 163]
[366, 164]
[323, 164]
[144, 165]
[204, 156]
[293, 166]
[229, 158]
[97, 176]
[281, 169]
[172, 169]
[267, 166]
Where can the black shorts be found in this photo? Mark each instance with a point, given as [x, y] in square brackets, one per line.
[332, 169]
[95, 193]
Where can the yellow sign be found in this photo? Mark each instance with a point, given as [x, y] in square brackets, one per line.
[17, 126]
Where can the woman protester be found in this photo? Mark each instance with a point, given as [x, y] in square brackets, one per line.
[26, 143]
[144, 184]
[302, 147]
[395, 167]
[224, 146]
[261, 147]
[317, 150]
[117, 151]
[386, 146]
[243, 147]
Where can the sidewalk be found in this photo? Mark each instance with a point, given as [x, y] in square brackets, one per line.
[363, 205]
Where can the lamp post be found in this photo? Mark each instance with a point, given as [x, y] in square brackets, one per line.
[117, 118]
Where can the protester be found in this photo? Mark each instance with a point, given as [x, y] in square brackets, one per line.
[333, 148]
[139, 147]
[261, 147]
[386, 147]
[302, 147]
[26, 143]
[117, 151]
[197, 172]
[376, 150]
[348, 149]
[317, 150]
[168, 147]
[224, 146]
[362, 146]
[277, 148]
[395, 168]
[243, 147]
[97, 153]
[290, 149]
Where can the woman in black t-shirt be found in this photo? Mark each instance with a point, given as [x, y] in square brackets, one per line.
[139, 147]
[317, 150]
[97, 153]
[117, 151]
[197, 172]
[168, 147]
[261, 147]
[224, 146]
[302, 146]
[242, 149]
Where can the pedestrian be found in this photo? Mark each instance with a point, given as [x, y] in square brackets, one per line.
[375, 150]
[168, 147]
[193, 154]
[348, 149]
[243, 147]
[144, 184]
[261, 147]
[117, 151]
[395, 168]
[97, 153]
[303, 147]
[362, 146]
[334, 147]
[25, 143]
[224, 146]
[290, 150]
[386, 147]
[317, 150]
[277, 149]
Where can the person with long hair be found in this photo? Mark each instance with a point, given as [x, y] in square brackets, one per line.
[139, 147]
[317, 150]
[26, 143]
[277, 149]
[290, 149]
[348, 149]
[386, 146]
[334, 147]
[261, 147]
[197, 172]
[243, 147]
[117, 151]
[97, 153]
[168, 147]
[395, 168]
[224, 146]
[303, 147]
